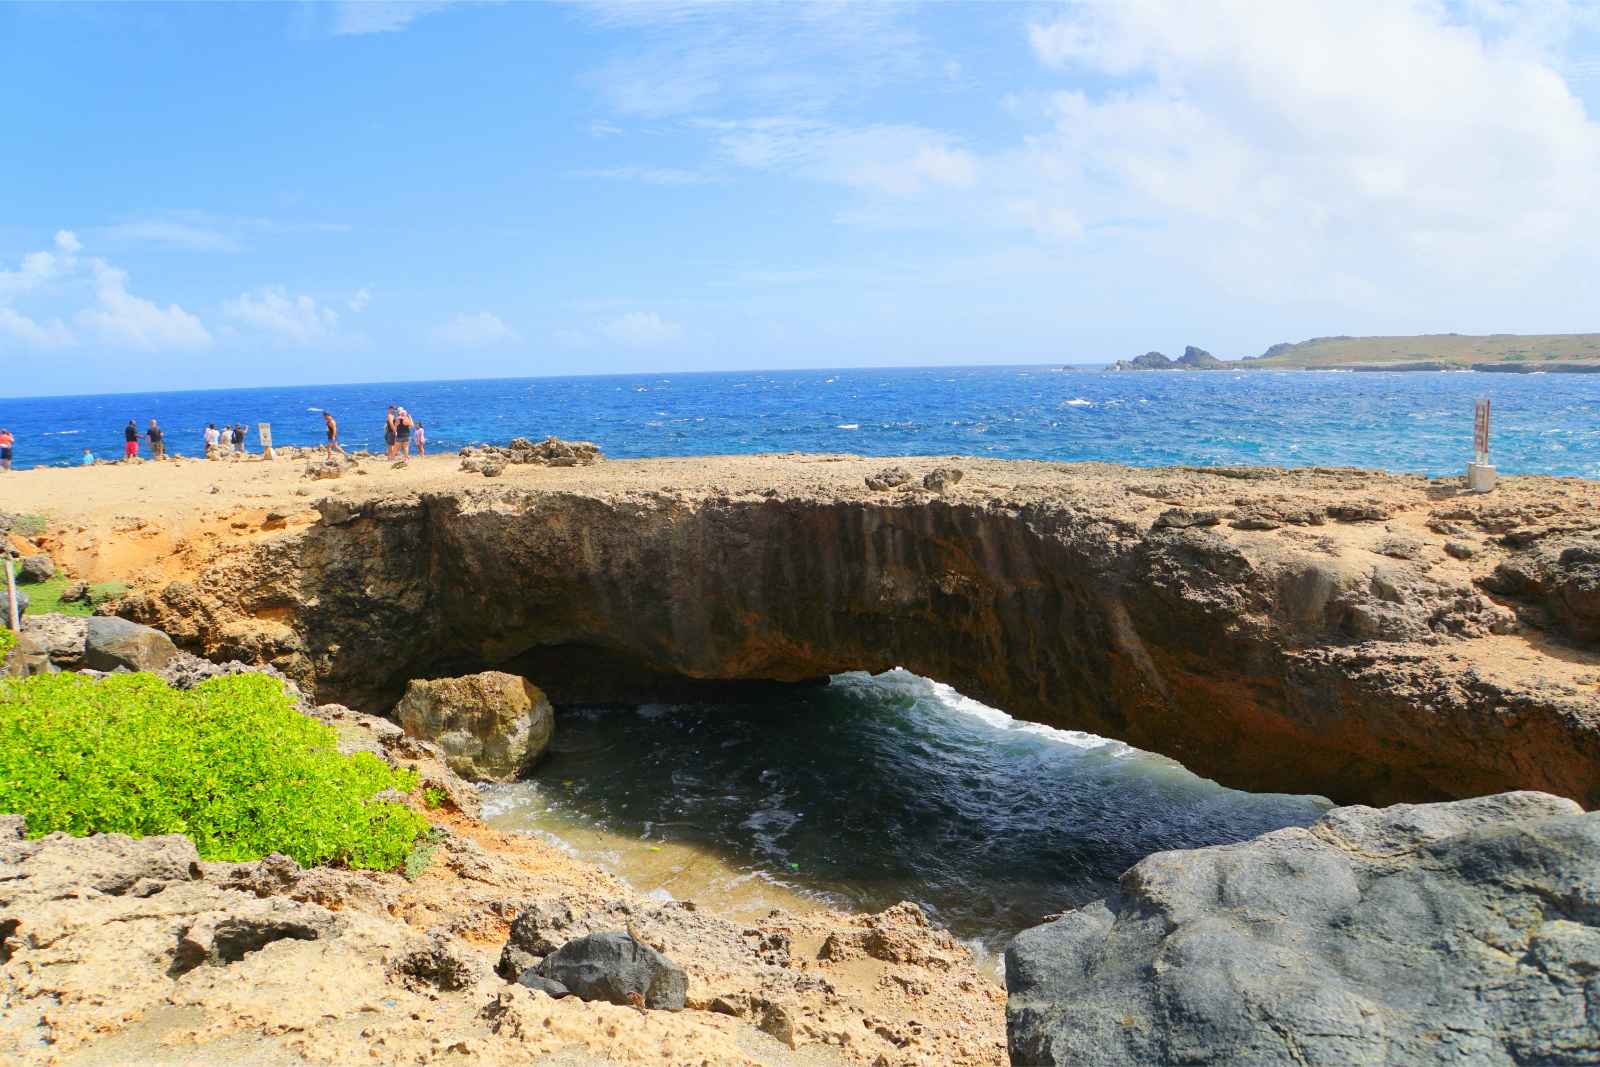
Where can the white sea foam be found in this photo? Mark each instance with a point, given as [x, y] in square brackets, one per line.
[60, 433]
[1079, 402]
[947, 697]
[848, 426]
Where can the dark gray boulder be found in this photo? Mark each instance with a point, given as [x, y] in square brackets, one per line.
[111, 642]
[548, 986]
[611, 966]
[1466, 932]
[37, 568]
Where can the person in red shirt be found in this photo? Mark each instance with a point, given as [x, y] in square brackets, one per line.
[6, 441]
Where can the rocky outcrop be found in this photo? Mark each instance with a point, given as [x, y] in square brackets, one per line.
[37, 568]
[613, 967]
[111, 643]
[1247, 622]
[1561, 577]
[1192, 359]
[491, 726]
[115, 950]
[1466, 932]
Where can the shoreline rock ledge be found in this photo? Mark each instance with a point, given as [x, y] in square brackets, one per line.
[1463, 932]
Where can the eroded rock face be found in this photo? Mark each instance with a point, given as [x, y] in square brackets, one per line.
[1466, 932]
[492, 726]
[1254, 624]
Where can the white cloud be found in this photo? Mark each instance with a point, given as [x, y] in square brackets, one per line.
[651, 175]
[295, 319]
[698, 57]
[1309, 143]
[51, 334]
[359, 300]
[641, 329]
[175, 234]
[476, 329]
[382, 16]
[119, 317]
[894, 159]
[39, 269]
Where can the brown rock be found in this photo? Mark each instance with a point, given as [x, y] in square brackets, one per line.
[491, 726]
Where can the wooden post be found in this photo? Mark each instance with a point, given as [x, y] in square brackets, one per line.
[11, 602]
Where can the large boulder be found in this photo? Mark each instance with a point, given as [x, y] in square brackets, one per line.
[616, 968]
[491, 726]
[110, 643]
[1466, 932]
[37, 568]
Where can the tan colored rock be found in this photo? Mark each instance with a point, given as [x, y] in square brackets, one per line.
[491, 726]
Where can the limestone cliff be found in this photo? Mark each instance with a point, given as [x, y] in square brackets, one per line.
[1319, 631]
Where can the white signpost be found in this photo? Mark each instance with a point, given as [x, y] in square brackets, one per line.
[265, 430]
[1480, 472]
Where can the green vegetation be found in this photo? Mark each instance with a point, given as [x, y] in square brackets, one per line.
[8, 641]
[30, 525]
[45, 597]
[422, 852]
[433, 797]
[1460, 349]
[230, 763]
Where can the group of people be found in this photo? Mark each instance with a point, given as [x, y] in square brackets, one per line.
[399, 430]
[227, 439]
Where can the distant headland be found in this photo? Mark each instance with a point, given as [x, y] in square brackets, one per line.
[1570, 353]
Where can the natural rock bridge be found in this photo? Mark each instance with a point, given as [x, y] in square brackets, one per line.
[1303, 632]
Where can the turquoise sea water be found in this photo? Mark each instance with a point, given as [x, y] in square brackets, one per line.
[1544, 423]
[874, 790]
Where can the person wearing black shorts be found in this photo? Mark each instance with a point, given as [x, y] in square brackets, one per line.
[5, 448]
[402, 431]
[158, 441]
[390, 433]
[333, 434]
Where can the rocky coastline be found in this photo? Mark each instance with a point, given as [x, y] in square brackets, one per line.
[1379, 639]
[1368, 637]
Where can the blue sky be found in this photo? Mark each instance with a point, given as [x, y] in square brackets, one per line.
[233, 194]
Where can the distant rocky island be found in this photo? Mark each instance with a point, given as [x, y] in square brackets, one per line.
[1498, 353]
[1192, 359]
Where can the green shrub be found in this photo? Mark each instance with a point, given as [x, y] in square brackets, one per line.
[30, 525]
[229, 763]
[8, 641]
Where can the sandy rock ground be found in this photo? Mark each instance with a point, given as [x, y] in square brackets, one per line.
[121, 951]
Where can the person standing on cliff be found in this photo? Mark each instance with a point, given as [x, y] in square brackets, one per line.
[333, 434]
[130, 440]
[390, 436]
[6, 442]
[158, 441]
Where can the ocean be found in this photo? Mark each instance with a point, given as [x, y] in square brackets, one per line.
[1421, 422]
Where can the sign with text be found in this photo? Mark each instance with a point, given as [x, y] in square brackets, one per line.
[1480, 432]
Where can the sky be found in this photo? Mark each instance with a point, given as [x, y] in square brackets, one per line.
[231, 194]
